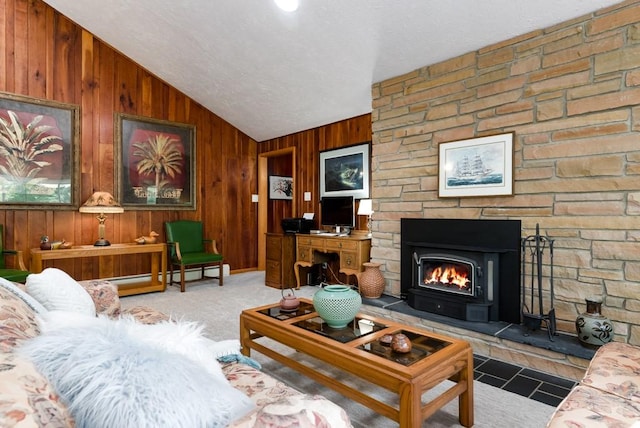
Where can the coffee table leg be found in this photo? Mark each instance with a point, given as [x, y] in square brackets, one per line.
[245, 338]
[465, 401]
[410, 406]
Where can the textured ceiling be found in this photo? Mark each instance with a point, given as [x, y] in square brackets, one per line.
[271, 73]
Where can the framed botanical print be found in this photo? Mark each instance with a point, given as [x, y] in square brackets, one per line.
[155, 163]
[39, 153]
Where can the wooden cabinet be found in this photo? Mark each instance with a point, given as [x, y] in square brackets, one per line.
[281, 255]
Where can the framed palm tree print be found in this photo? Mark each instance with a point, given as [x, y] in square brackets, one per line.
[155, 163]
[39, 153]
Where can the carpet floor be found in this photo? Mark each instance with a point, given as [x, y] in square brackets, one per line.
[218, 308]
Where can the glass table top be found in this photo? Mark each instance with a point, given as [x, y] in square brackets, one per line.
[421, 345]
[355, 329]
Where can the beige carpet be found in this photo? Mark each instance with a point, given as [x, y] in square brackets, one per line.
[219, 309]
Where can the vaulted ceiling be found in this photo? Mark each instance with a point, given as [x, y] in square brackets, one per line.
[272, 73]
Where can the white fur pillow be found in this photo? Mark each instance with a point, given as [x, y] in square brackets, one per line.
[179, 337]
[120, 374]
[57, 291]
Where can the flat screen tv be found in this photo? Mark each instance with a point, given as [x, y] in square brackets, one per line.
[337, 211]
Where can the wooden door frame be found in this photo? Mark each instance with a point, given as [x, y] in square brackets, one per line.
[263, 197]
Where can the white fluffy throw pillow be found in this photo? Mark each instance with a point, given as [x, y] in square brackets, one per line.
[57, 291]
[110, 375]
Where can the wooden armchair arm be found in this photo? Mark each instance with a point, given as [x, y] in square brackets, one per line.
[212, 242]
[19, 256]
[176, 246]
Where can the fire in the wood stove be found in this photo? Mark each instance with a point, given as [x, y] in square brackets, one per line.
[448, 275]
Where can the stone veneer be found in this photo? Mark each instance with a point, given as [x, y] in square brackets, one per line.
[570, 93]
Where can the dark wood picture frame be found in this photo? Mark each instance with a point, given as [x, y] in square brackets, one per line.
[346, 171]
[39, 153]
[141, 181]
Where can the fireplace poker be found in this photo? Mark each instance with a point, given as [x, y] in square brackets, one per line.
[534, 247]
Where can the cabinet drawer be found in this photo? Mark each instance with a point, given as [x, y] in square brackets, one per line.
[305, 254]
[349, 260]
[303, 240]
[273, 272]
[274, 248]
[340, 244]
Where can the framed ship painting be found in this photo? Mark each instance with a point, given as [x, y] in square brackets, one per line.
[476, 167]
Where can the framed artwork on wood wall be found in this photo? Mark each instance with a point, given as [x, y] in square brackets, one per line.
[39, 153]
[154, 163]
[280, 187]
[476, 167]
[345, 171]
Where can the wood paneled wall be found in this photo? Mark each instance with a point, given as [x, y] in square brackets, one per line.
[308, 145]
[45, 55]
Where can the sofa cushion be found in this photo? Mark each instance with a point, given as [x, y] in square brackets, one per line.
[26, 398]
[279, 405]
[57, 291]
[593, 408]
[17, 321]
[105, 296]
[21, 293]
[615, 368]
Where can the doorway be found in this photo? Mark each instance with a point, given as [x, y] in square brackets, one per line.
[263, 196]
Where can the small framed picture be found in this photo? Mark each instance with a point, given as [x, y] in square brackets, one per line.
[476, 167]
[280, 187]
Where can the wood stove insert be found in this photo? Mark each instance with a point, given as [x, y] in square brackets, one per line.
[464, 269]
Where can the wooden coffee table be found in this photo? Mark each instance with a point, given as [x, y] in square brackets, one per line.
[433, 359]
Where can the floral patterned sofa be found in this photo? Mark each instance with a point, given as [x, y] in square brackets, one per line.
[608, 395]
[28, 400]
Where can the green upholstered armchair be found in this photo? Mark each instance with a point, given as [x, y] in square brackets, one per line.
[17, 274]
[188, 248]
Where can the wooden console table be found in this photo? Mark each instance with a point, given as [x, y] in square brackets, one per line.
[106, 262]
[353, 251]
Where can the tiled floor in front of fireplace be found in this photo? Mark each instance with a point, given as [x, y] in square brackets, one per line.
[533, 384]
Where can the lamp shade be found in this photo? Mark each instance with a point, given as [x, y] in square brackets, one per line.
[101, 202]
[365, 207]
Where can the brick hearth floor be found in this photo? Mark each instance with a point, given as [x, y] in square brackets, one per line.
[538, 386]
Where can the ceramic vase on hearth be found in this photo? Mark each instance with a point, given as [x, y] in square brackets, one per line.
[337, 305]
[593, 328]
[371, 281]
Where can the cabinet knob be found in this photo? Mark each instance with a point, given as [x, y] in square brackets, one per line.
[348, 261]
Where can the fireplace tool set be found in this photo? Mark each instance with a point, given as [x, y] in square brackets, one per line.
[534, 248]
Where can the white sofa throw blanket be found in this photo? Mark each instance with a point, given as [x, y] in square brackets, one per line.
[119, 373]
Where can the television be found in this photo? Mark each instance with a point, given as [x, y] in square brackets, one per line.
[337, 211]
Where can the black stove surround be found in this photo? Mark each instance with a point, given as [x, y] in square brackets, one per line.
[488, 251]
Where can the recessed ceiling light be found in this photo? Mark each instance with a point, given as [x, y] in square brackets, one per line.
[287, 5]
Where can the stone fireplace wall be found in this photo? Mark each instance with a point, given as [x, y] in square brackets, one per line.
[571, 94]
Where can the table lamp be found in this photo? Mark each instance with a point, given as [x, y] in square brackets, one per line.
[101, 203]
[366, 208]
